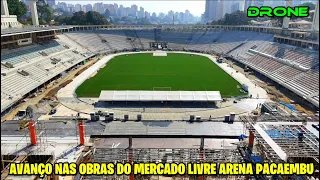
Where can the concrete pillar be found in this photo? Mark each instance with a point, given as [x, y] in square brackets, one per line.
[315, 23]
[32, 132]
[4, 8]
[286, 20]
[34, 12]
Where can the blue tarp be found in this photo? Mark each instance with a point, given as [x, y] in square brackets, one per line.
[289, 106]
[242, 136]
[256, 159]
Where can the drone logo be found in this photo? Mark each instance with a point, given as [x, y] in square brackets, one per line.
[280, 11]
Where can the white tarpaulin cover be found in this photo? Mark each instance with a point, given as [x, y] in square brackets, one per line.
[205, 96]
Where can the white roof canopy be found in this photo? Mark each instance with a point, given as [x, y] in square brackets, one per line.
[204, 96]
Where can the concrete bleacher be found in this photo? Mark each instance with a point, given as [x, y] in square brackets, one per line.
[62, 38]
[18, 84]
[205, 41]
[286, 73]
[258, 40]
[38, 70]
[263, 64]
[89, 40]
[116, 39]
[176, 39]
[28, 53]
[298, 56]
[307, 83]
[146, 36]
[228, 40]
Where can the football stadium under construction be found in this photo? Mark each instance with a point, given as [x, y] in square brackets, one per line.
[135, 94]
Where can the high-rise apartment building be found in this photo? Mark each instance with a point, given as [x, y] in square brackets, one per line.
[77, 7]
[235, 7]
[211, 11]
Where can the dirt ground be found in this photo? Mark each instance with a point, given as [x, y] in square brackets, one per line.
[49, 92]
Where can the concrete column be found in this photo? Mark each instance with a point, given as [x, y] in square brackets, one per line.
[315, 23]
[286, 20]
[4, 8]
[34, 12]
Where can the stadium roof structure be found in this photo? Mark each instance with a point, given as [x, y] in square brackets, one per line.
[178, 96]
[31, 29]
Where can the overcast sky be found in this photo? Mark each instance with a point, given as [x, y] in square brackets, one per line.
[196, 7]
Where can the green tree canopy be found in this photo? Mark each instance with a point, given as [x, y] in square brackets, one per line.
[95, 18]
[82, 18]
[44, 11]
[235, 18]
[107, 13]
[17, 8]
[78, 18]
[309, 4]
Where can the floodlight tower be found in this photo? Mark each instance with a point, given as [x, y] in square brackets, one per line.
[286, 20]
[34, 12]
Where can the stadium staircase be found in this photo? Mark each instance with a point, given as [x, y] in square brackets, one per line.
[244, 42]
[105, 41]
[138, 39]
[133, 39]
[238, 46]
[216, 39]
[205, 32]
[189, 40]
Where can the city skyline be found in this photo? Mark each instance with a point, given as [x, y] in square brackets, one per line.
[212, 9]
[195, 7]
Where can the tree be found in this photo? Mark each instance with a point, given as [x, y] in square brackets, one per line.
[309, 4]
[82, 18]
[78, 18]
[235, 18]
[95, 18]
[44, 12]
[107, 13]
[17, 8]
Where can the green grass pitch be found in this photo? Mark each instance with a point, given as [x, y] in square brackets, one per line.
[144, 71]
